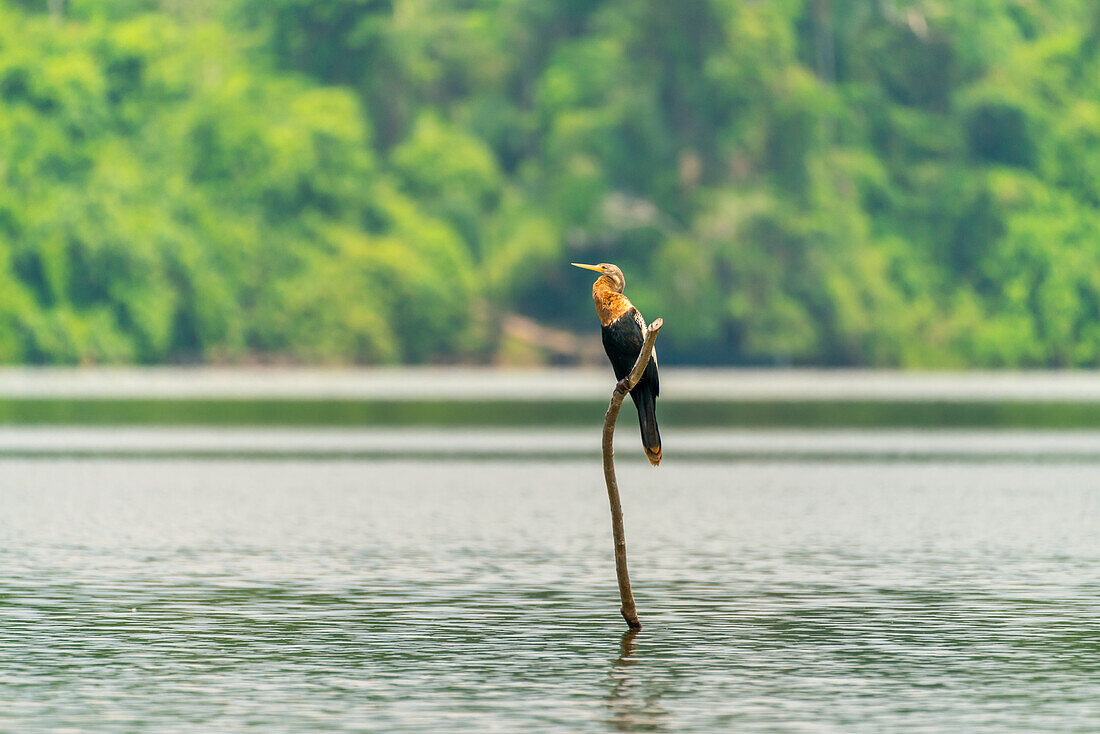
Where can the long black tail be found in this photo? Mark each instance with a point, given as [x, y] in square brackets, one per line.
[647, 418]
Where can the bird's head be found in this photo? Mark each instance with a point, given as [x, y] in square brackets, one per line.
[609, 271]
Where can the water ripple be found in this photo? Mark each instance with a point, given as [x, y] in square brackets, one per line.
[237, 595]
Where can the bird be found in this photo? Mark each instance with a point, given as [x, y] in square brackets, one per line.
[623, 330]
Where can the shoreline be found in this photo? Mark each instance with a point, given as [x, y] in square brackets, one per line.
[465, 384]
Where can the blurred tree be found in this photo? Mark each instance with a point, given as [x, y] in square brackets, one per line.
[147, 218]
[887, 182]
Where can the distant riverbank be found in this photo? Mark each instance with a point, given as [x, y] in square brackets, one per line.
[456, 397]
[480, 384]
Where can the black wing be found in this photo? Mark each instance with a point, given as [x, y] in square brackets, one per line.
[622, 340]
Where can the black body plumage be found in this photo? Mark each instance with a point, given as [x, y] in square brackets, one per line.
[622, 341]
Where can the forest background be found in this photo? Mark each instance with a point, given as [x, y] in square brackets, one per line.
[900, 183]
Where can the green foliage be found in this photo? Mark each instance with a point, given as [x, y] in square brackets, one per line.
[838, 182]
[152, 213]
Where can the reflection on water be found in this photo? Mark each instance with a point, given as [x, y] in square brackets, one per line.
[632, 704]
[480, 596]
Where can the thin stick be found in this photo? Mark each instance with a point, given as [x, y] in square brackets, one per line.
[629, 611]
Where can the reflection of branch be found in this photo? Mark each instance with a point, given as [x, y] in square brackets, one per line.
[633, 706]
[629, 612]
[627, 645]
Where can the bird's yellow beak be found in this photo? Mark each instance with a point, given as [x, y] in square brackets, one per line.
[587, 267]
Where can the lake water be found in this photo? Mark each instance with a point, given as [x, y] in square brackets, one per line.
[825, 588]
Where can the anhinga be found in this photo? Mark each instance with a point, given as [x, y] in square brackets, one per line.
[623, 333]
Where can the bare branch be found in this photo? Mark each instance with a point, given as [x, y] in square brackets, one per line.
[629, 612]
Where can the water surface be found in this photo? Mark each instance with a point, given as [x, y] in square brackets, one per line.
[447, 595]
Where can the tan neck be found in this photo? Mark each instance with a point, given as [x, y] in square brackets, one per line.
[610, 304]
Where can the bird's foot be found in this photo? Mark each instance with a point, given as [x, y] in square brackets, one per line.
[623, 386]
